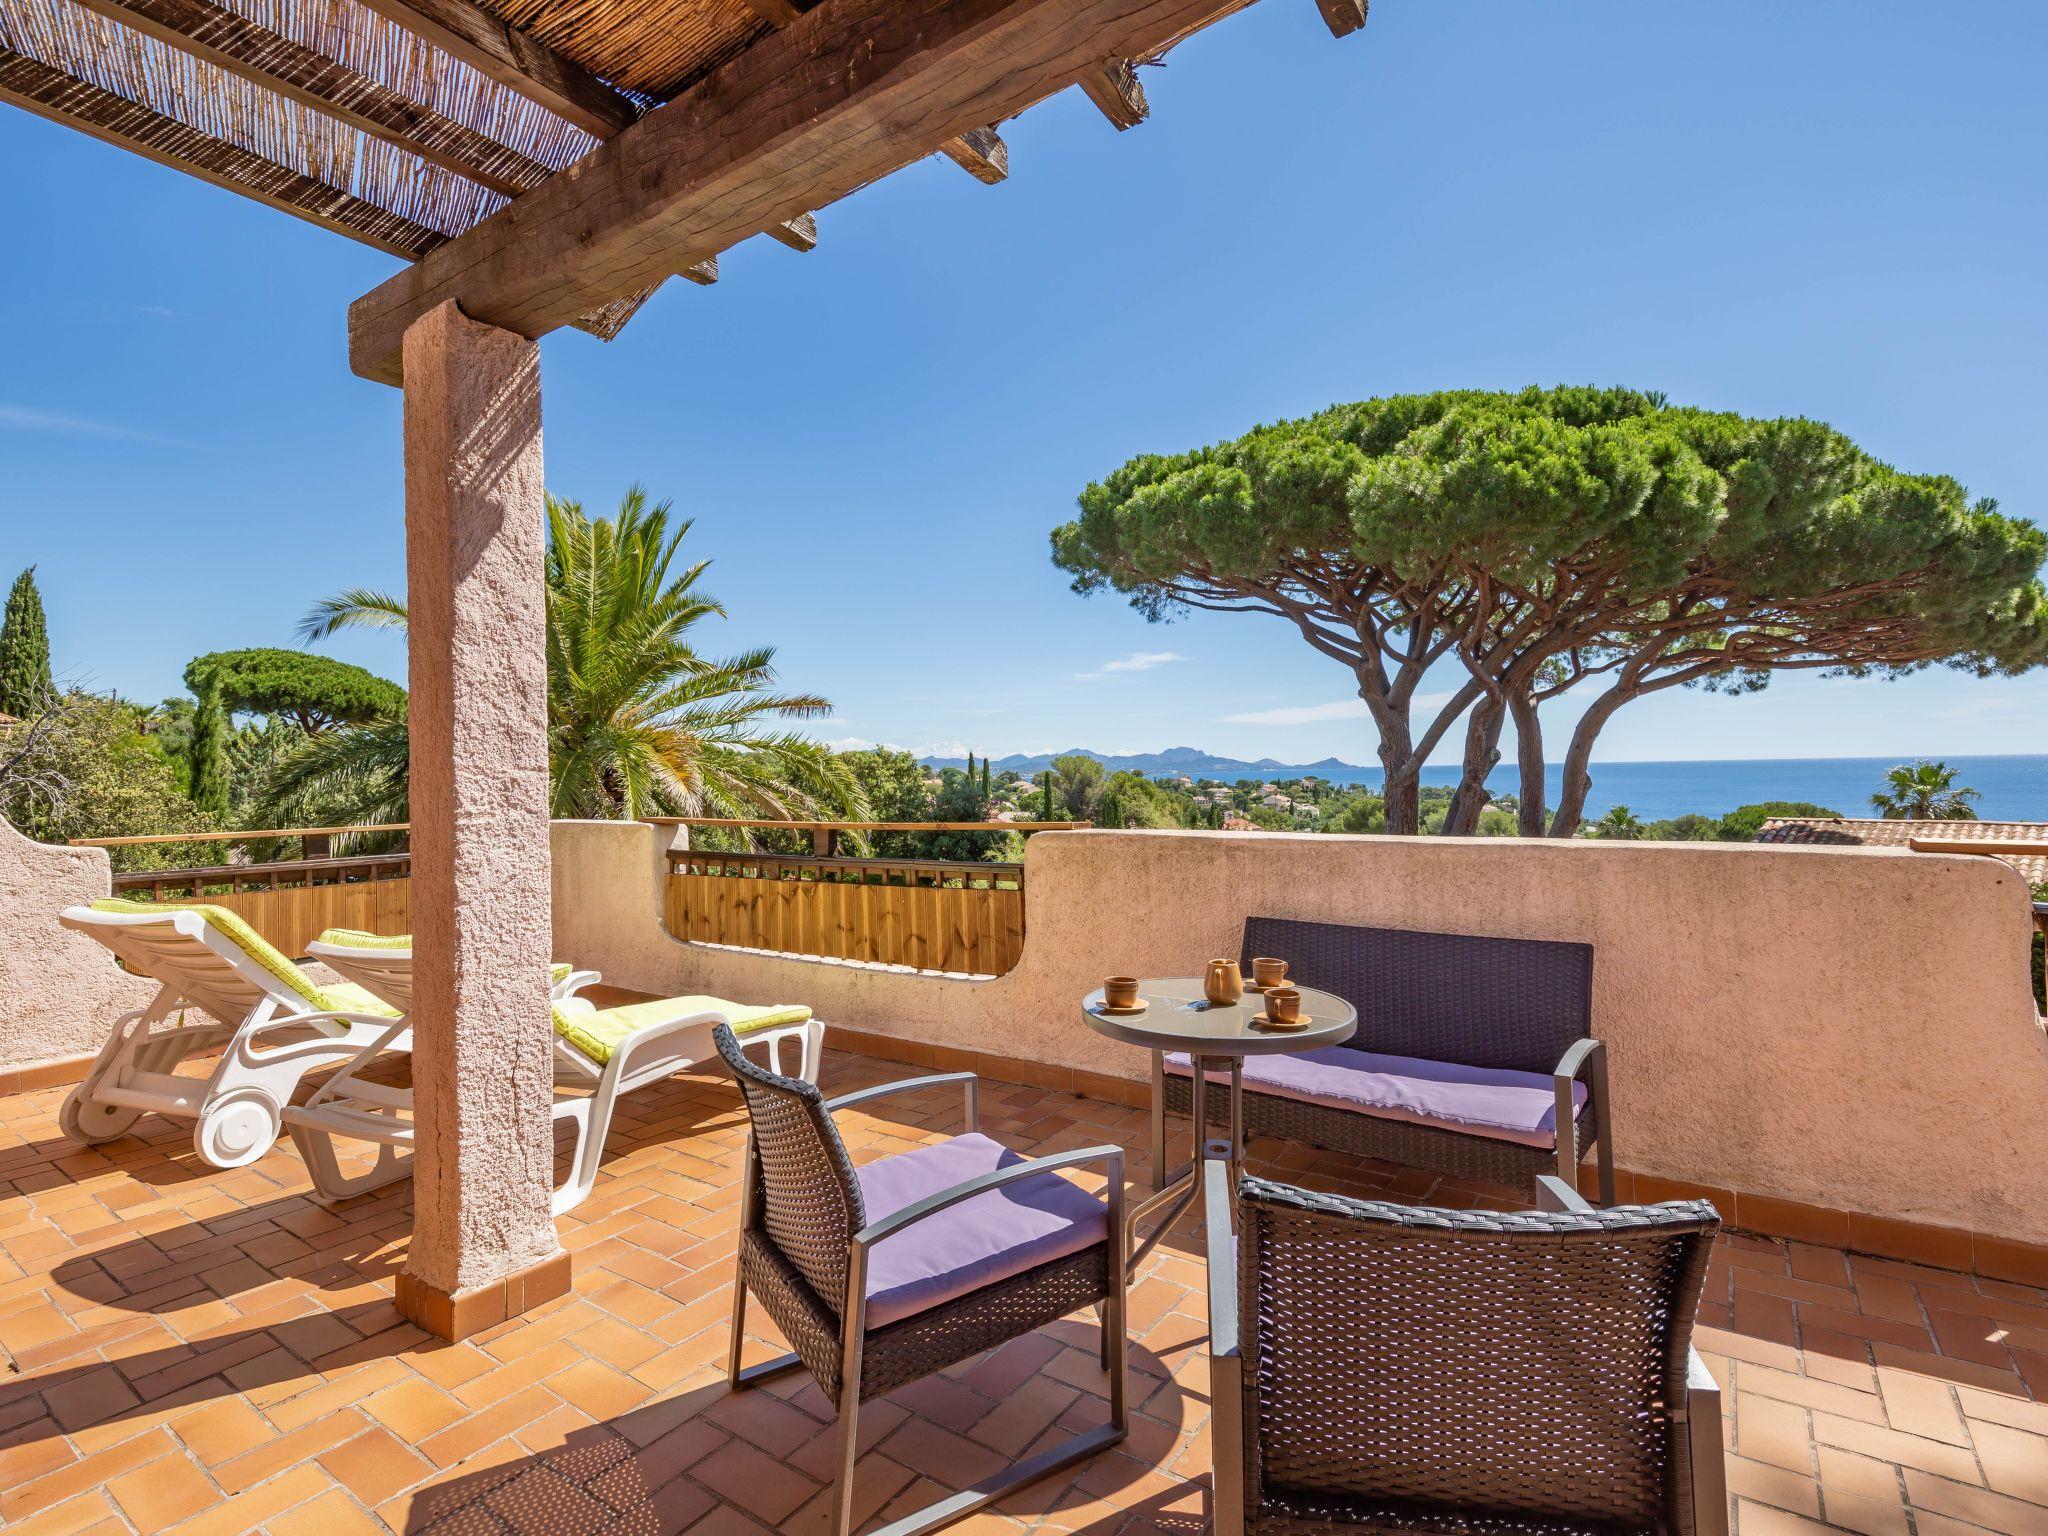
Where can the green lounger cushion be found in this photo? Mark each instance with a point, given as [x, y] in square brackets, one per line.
[340, 997]
[598, 1034]
[355, 938]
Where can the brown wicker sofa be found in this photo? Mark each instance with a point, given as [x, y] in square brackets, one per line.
[1470, 1054]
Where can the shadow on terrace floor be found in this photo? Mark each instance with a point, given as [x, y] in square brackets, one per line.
[214, 1351]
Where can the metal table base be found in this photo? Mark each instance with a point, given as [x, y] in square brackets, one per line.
[1180, 1191]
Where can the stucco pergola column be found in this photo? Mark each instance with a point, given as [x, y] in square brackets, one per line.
[483, 1245]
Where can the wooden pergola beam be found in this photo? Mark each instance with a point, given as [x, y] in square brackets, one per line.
[256, 54]
[804, 117]
[37, 87]
[516, 61]
[1114, 88]
[982, 153]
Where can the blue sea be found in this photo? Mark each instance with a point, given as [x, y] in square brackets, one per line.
[2011, 788]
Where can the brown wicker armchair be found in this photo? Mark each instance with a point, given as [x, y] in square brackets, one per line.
[1463, 1373]
[1474, 1056]
[884, 1275]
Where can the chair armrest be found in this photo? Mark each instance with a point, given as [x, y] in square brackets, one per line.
[971, 1085]
[1553, 1194]
[1586, 1061]
[573, 983]
[1222, 1257]
[1574, 1062]
[1111, 1156]
[1226, 1351]
[1700, 1422]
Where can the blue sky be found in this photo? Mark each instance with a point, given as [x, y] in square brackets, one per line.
[1829, 209]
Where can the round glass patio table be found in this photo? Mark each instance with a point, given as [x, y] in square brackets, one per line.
[1217, 1037]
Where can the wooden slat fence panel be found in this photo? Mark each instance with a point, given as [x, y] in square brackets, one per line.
[291, 903]
[822, 907]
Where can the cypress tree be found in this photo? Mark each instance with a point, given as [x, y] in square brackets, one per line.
[208, 752]
[25, 682]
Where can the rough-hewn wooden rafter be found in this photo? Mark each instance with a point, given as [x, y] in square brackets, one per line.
[981, 153]
[1343, 16]
[515, 60]
[48, 92]
[804, 117]
[799, 233]
[1115, 89]
[263, 57]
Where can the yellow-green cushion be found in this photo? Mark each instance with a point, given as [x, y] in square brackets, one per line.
[339, 998]
[355, 938]
[598, 1034]
[347, 997]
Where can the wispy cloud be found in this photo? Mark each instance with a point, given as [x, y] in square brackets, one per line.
[927, 749]
[29, 419]
[1336, 709]
[1137, 661]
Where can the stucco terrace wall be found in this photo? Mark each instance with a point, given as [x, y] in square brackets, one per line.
[59, 992]
[1848, 1029]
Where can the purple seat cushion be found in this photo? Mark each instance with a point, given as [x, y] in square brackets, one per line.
[975, 1243]
[1479, 1101]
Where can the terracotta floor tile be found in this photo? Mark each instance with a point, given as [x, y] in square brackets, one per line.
[375, 1465]
[766, 1488]
[1774, 1485]
[2014, 1461]
[332, 1514]
[1921, 1405]
[1771, 1431]
[1868, 1517]
[1979, 1506]
[163, 1492]
[1890, 1445]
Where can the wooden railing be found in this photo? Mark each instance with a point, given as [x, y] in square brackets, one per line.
[314, 842]
[288, 901]
[933, 914]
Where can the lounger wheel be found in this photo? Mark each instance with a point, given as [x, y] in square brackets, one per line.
[89, 1123]
[237, 1128]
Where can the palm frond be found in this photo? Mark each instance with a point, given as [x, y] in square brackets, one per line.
[354, 608]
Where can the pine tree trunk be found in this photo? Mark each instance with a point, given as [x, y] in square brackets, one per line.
[1482, 753]
[1578, 776]
[1529, 760]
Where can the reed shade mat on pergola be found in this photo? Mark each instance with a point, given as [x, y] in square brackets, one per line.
[404, 124]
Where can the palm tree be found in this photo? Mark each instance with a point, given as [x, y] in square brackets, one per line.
[1923, 791]
[639, 723]
[1619, 822]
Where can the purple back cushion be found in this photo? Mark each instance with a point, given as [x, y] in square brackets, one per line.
[991, 1237]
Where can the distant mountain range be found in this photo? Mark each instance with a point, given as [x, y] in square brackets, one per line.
[1188, 760]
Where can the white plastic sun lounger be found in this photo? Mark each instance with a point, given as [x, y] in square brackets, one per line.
[605, 1052]
[221, 986]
